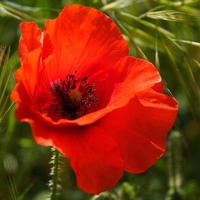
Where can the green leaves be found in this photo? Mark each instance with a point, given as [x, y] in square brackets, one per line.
[25, 13]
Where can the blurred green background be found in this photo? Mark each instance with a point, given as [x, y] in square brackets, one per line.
[165, 32]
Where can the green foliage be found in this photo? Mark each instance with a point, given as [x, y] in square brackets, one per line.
[5, 76]
[166, 32]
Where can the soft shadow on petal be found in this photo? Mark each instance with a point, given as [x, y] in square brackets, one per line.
[93, 154]
[30, 67]
[141, 127]
[22, 100]
[137, 75]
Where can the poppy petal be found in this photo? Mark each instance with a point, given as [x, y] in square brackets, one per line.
[83, 39]
[31, 65]
[142, 129]
[160, 112]
[30, 38]
[93, 154]
[137, 75]
[20, 96]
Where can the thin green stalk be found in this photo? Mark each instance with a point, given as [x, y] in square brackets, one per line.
[11, 106]
[143, 38]
[4, 57]
[157, 61]
[176, 70]
[14, 12]
[55, 174]
[189, 89]
[129, 18]
[6, 71]
[5, 85]
[132, 41]
[174, 166]
[148, 24]
[12, 188]
[193, 43]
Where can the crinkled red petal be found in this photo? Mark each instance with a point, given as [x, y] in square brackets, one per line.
[93, 154]
[141, 127]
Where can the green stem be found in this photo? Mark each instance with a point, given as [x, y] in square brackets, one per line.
[54, 183]
[147, 24]
[139, 51]
[174, 166]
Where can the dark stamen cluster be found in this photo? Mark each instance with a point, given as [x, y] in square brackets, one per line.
[71, 98]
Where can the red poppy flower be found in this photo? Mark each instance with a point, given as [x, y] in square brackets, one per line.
[81, 93]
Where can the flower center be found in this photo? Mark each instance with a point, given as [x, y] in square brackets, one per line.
[72, 98]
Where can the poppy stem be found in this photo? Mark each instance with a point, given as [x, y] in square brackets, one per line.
[55, 174]
[174, 166]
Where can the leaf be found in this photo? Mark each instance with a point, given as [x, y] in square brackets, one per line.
[196, 44]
